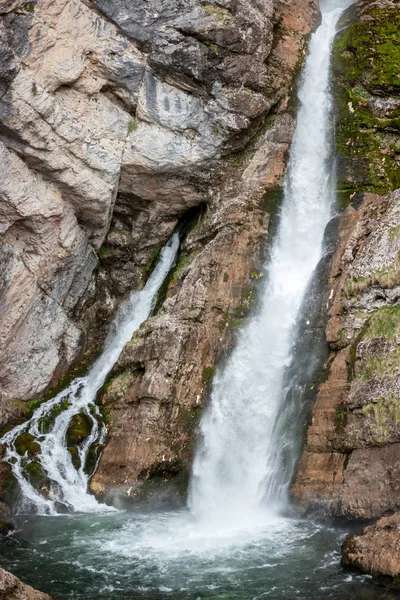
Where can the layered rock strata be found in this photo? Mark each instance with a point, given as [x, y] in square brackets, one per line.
[376, 550]
[350, 463]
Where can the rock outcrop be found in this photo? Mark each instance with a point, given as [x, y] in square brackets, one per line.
[350, 463]
[376, 550]
[161, 381]
[11, 588]
[113, 110]
[116, 119]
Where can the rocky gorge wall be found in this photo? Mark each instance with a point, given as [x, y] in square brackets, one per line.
[115, 121]
[350, 462]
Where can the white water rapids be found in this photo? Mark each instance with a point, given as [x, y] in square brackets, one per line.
[234, 467]
[68, 484]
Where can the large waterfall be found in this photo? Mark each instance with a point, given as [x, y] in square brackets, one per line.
[234, 469]
[68, 484]
[232, 540]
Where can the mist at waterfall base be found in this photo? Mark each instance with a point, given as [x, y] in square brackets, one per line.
[232, 541]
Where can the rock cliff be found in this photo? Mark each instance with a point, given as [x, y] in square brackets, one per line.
[116, 119]
[350, 463]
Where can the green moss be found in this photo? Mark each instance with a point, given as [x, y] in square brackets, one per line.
[25, 443]
[385, 412]
[394, 232]
[214, 48]
[221, 14]
[208, 373]
[366, 56]
[107, 414]
[35, 474]
[30, 7]
[189, 417]
[384, 322]
[341, 416]
[184, 261]
[79, 429]
[382, 365]
[74, 452]
[132, 125]
[117, 386]
[256, 274]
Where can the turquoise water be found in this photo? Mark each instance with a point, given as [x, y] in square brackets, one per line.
[167, 555]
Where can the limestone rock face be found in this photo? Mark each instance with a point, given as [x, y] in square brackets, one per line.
[162, 380]
[11, 588]
[376, 550]
[116, 113]
[349, 466]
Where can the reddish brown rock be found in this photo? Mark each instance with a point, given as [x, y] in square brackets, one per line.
[376, 550]
[163, 377]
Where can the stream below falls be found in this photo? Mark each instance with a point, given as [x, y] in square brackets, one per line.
[232, 541]
[160, 555]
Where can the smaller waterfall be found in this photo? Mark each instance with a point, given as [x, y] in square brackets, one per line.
[69, 484]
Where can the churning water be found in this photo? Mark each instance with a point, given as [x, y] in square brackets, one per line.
[231, 543]
[68, 485]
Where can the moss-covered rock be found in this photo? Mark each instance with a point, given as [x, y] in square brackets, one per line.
[26, 443]
[76, 460]
[34, 473]
[79, 429]
[366, 58]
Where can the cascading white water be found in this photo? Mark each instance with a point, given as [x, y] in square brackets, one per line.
[68, 484]
[233, 467]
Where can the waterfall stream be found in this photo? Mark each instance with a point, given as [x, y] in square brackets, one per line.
[234, 539]
[68, 484]
[235, 472]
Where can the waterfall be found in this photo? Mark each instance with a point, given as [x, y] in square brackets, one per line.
[235, 472]
[68, 484]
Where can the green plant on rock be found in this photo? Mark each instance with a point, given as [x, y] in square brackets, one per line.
[208, 373]
[26, 444]
[366, 142]
[221, 14]
[133, 124]
[384, 322]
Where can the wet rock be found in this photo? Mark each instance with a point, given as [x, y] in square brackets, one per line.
[376, 550]
[349, 463]
[79, 429]
[11, 588]
[26, 444]
[6, 527]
